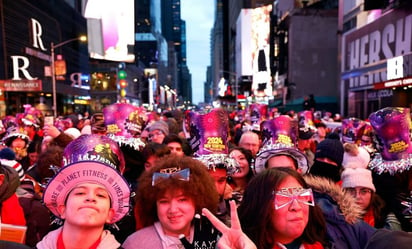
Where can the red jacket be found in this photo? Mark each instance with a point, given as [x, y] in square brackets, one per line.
[11, 212]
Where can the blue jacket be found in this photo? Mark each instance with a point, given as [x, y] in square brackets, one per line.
[345, 229]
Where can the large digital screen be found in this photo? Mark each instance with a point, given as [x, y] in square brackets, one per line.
[252, 48]
[110, 29]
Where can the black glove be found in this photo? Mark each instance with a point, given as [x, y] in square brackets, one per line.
[205, 235]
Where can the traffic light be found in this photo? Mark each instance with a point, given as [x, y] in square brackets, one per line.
[122, 82]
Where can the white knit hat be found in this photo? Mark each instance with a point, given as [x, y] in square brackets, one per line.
[73, 132]
[357, 177]
[361, 160]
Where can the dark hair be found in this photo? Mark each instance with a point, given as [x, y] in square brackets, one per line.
[200, 187]
[256, 209]
[53, 156]
[249, 157]
[172, 138]
[34, 146]
[378, 209]
[155, 149]
[294, 159]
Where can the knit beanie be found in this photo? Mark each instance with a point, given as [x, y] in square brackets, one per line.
[161, 126]
[73, 132]
[357, 177]
[331, 148]
[355, 157]
[7, 153]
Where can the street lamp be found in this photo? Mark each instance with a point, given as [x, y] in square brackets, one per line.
[53, 46]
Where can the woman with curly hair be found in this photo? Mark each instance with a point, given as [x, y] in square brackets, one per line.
[278, 211]
[170, 198]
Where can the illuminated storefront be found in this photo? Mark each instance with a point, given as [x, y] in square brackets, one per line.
[25, 75]
[377, 64]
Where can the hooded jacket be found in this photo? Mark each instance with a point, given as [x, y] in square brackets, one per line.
[344, 226]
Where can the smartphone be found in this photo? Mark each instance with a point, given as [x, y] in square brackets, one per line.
[49, 120]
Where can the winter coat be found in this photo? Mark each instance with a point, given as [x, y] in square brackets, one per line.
[344, 226]
[384, 238]
[36, 214]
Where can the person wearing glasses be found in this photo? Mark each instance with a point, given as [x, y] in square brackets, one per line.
[358, 182]
[158, 131]
[170, 199]
[278, 211]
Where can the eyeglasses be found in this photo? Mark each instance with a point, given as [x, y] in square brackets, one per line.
[156, 133]
[361, 192]
[286, 196]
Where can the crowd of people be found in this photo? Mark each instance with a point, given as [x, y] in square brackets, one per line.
[131, 178]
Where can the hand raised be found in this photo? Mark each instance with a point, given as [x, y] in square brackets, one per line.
[233, 237]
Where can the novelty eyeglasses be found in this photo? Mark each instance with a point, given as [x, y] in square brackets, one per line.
[286, 196]
[176, 173]
[362, 191]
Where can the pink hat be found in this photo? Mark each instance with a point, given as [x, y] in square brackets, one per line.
[392, 127]
[31, 116]
[14, 132]
[209, 135]
[279, 136]
[74, 174]
[90, 158]
[281, 130]
[306, 125]
[357, 177]
[352, 130]
[258, 112]
[125, 123]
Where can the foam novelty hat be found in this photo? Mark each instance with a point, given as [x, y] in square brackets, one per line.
[125, 123]
[208, 139]
[258, 112]
[279, 136]
[14, 132]
[352, 129]
[94, 147]
[31, 116]
[367, 135]
[31, 120]
[80, 169]
[392, 127]
[306, 125]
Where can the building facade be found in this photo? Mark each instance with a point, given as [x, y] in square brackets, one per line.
[376, 52]
[28, 31]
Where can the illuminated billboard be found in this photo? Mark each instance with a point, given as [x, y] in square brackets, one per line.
[110, 29]
[252, 48]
